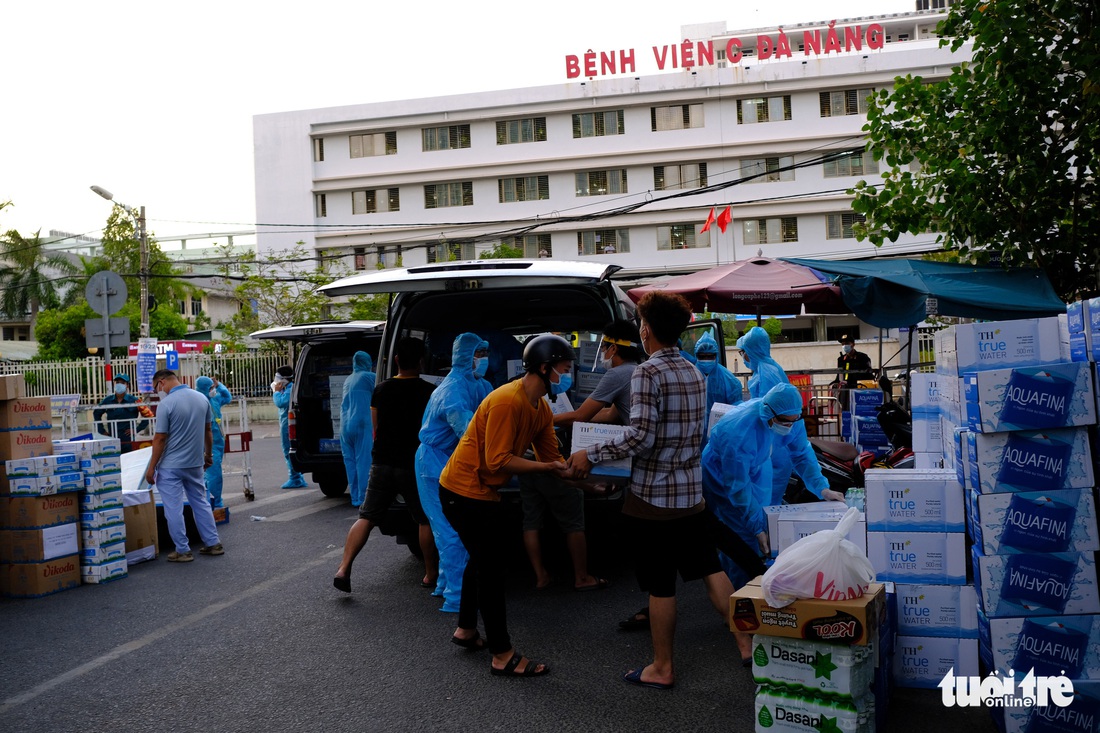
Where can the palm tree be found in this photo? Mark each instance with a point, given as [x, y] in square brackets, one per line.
[29, 275]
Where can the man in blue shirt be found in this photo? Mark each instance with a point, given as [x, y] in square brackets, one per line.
[182, 449]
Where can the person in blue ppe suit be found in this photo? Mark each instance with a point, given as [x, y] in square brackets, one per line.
[120, 419]
[737, 481]
[219, 396]
[356, 427]
[722, 386]
[281, 389]
[756, 351]
[445, 419]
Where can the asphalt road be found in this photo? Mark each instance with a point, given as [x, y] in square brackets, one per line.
[258, 640]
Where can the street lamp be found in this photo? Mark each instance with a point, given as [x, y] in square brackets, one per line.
[143, 242]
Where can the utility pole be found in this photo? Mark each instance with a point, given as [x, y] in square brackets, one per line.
[143, 274]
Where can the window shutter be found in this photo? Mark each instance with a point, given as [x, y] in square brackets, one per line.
[356, 143]
[467, 193]
[391, 142]
[540, 129]
[429, 196]
[659, 178]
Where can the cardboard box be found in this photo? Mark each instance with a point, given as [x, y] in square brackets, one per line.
[853, 621]
[141, 526]
[923, 461]
[1056, 395]
[101, 465]
[779, 711]
[16, 444]
[58, 463]
[102, 482]
[1002, 344]
[36, 512]
[773, 513]
[90, 501]
[793, 527]
[13, 387]
[99, 554]
[1036, 521]
[26, 413]
[99, 518]
[1040, 584]
[586, 434]
[103, 573]
[717, 411]
[36, 545]
[938, 610]
[922, 661]
[221, 514]
[90, 448]
[812, 668]
[913, 501]
[103, 535]
[1077, 717]
[1030, 460]
[32, 580]
[918, 557]
[1046, 645]
[1093, 306]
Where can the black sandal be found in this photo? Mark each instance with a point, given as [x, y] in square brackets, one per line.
[636, 624]
[531, 670]
[473, 644]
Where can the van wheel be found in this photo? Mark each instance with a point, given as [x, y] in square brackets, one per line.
[333, 488]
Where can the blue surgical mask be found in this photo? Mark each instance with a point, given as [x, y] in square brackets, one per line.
[780, 429]
[120, 388]
[846, 348]
[565, 381]
[481, 365]
[707, 367]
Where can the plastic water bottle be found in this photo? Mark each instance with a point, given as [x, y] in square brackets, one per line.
[255, 518]
[856, 497]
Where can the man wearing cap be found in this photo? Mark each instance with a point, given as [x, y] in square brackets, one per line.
[121, 412]
[852, 366]
[281, 389]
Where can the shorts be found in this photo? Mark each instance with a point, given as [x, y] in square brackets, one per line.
[383, 486]
[537, 492]
[664, 548]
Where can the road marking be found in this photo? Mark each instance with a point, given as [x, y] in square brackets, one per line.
[132, 646]
[302, 512]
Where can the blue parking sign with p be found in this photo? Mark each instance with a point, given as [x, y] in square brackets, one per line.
[172, 360]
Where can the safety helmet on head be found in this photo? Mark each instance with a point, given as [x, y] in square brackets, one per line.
[546, 349]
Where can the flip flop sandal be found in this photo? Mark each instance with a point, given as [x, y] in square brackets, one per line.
[531, 670]
[473, 644]
[634, 677]
[600, 584]
[634, 623]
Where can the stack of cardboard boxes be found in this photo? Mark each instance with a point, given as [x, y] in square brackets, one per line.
[1016, 416]
[866, 432]
[103, 522]
[817, 663]
[39, 513]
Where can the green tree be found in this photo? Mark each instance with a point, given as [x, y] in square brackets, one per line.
[774, 327]
[60, 333]
[1005, 148]
[30, 275]
[122, 253]
[501, 251]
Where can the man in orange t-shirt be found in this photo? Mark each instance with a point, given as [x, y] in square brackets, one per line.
[512, 418]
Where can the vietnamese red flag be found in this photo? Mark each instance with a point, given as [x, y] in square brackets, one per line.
[710, 220]
[724, 219]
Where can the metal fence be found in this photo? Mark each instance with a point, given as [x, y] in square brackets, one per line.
[246, 375]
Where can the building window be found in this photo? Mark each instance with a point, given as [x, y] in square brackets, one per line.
[528, 188]
[684, 175]
[600, 183]
[451, 137]
[856, 164]
[844, 102]
[440, 195]
[321, 205]
[603, 242]
[196, 306]
[533, 245]
[527, 130]
[373, 201]
[450, 252]
[377, 143]
[839, 226]
[767, 170]
[771, 231]
[360, 258]
[682, 236]
[763, 109]
[598, 124]
[318, 149]
[676, 117]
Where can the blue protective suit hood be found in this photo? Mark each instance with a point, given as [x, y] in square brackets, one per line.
[766, 372]
[462, 354]
[782, 399]
[362, 362]
[204, 385]
[757, 346]
[706, 345]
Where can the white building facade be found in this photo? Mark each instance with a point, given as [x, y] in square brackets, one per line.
[622, 163]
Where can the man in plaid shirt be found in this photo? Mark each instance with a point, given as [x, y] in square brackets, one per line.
[664, 510]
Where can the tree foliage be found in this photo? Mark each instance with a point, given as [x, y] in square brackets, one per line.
[998, 159]
[122, 253]
[30, 275]
[501, 251]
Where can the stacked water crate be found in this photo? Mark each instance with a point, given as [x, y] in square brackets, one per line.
[1020, 442]
[103, 528]
[866, 431]
[916, 539]
[924, 403]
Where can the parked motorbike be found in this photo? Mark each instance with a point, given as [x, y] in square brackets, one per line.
[843, 465]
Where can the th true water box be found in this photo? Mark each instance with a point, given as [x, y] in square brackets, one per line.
[1029, 460]
[1036, 521]
[1001, 344]
[1056, 395]
[922, 661]
[918, 557]
[1047, 645]
[808, 509]
[793, 527]
[937, 610]
[586, 434]
[1039, 584]
[914, 501]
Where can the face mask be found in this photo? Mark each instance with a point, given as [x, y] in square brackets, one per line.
[213, 393]
[846, 348]
[162, 394]
[120, 389]
[481, 365]
[707, 367]
[780, 429]
[565, 381]
[274, 386]
[606, 364]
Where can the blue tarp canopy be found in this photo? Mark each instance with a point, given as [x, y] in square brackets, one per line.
[894, 293]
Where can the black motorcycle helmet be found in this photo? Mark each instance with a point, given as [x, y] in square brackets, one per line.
[546, 349]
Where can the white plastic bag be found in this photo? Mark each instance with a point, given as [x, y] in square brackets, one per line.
[821, 565]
